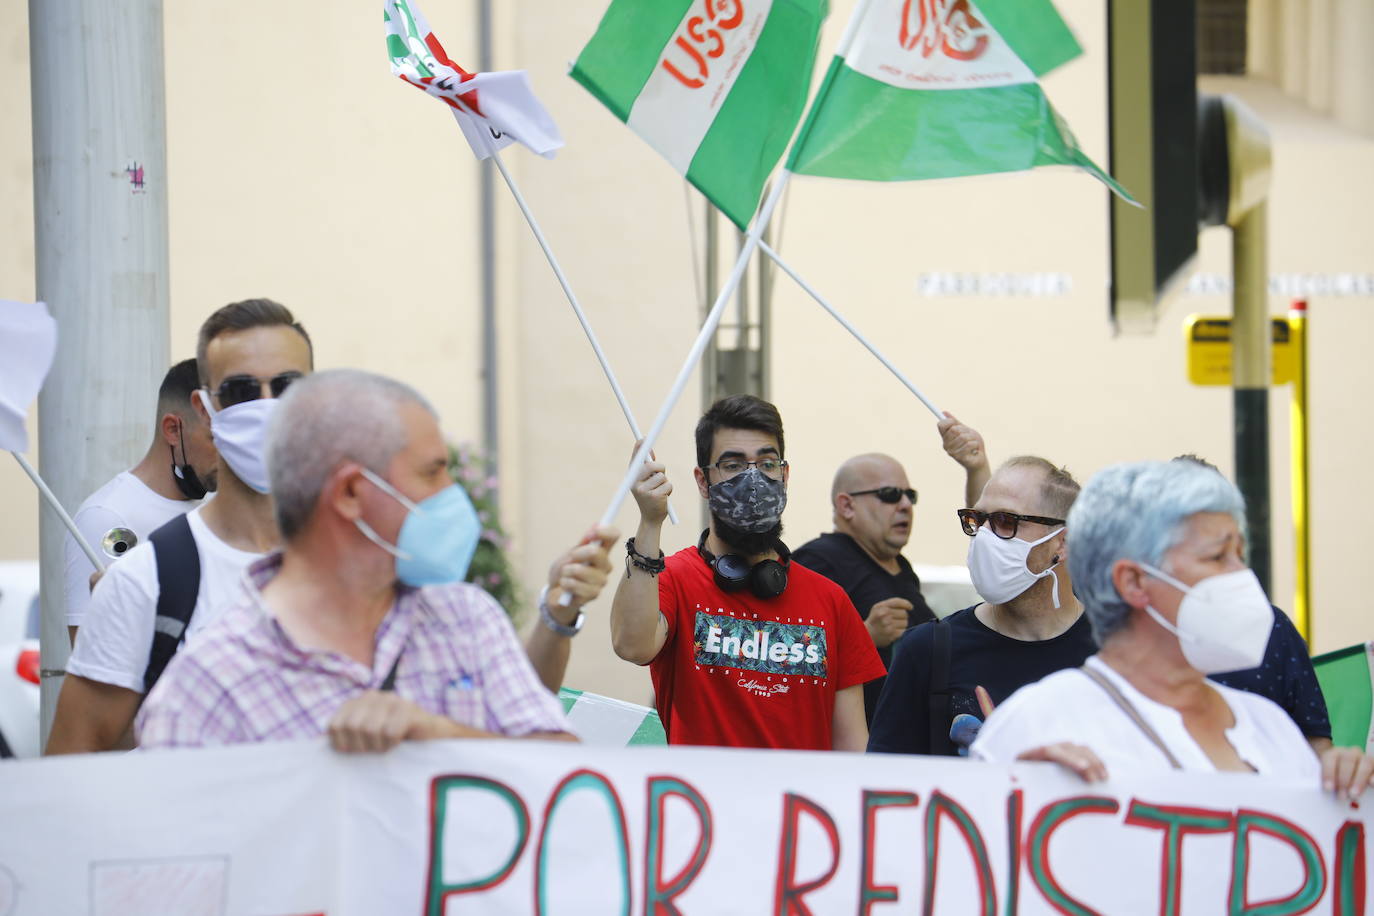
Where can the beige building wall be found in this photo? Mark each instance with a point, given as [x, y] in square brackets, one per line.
[18, 501]
[301, 170]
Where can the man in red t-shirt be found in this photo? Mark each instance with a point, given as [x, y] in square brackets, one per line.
[746, 648]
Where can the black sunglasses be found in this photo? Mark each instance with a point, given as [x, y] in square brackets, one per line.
[239, 389]
[1003, 524]
[889, 494]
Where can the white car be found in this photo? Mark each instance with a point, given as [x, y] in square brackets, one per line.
[19, 669]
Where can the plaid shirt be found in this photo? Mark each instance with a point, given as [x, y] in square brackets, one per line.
[244, 679]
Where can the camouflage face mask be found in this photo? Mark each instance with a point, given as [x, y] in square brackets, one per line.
[751, 501]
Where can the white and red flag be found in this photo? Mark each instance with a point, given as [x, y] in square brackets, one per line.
[493, 109]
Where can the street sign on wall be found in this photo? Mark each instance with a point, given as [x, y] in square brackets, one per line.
[1208, 339]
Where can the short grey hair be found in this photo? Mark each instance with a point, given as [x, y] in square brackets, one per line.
[324, 420]
[1058, 489]
[1137, 512]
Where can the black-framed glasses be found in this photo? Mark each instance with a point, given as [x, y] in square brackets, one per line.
[729, 467]
[239, 389]
[1003, 524]
[889, 494]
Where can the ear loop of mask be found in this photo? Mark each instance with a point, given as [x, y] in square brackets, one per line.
[1054, 585]
[369, 532]
[1054, 576]
[181, 437]
[1156, 615]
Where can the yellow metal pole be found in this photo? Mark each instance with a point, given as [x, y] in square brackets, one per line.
[1302, 580]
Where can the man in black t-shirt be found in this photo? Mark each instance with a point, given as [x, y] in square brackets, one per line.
[1029, 625]
[873, 503]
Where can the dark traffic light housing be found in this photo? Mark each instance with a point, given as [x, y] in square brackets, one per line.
[1153, 141]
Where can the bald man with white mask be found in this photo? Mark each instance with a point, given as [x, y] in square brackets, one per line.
[874, 505]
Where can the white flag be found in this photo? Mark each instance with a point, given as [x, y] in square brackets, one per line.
[28, 340]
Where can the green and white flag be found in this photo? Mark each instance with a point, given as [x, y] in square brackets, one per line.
[942, 89]
[605, 722]
[715, 86]
[1345, 676]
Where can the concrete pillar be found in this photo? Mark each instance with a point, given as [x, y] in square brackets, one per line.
[100, 236]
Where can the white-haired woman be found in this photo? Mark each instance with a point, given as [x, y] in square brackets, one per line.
[1156, 552]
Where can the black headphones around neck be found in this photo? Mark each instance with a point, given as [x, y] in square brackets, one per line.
[766, 578]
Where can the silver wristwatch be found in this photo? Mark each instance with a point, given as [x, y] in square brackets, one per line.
[550, 621]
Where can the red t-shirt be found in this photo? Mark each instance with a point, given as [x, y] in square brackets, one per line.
[740, 671]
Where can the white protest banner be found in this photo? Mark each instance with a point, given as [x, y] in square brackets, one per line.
[522, 827]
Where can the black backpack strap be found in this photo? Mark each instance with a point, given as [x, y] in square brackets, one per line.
[178, 584]
[941, 710]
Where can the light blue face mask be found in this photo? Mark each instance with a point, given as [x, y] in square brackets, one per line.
[438, 537]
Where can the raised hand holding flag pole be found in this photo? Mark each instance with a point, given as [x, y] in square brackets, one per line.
[907, 97]
[28, 342]
[708, 329]
[717, 88]
[938, 89]
[508, 112]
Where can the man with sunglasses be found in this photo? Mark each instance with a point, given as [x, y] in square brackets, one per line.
[745, 647]
[175, 473]
[946, 676]
[873, 507]
[172, 586]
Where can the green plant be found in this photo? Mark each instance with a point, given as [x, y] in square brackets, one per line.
[491, 566]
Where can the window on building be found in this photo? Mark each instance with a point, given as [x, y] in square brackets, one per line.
[1221, 36]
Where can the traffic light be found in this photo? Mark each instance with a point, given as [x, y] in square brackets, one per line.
[1153, 140]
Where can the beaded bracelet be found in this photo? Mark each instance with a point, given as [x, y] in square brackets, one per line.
[648, 564]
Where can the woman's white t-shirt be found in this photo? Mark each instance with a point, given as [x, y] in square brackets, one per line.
[1069, 706]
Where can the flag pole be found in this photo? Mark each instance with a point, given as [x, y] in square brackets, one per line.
[751, 242]
[562, 281]
[777, 259]
[51, 499]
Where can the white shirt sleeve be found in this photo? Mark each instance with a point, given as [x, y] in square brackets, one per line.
[92, 522]
[116, 636]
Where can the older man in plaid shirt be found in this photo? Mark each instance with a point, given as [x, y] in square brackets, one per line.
[327, 638]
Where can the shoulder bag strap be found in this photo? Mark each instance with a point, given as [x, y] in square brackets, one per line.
[1132, 713]
[940, 708]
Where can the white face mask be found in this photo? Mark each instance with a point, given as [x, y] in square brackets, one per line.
[998, 567]
[1224, 621]
[240, 434]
